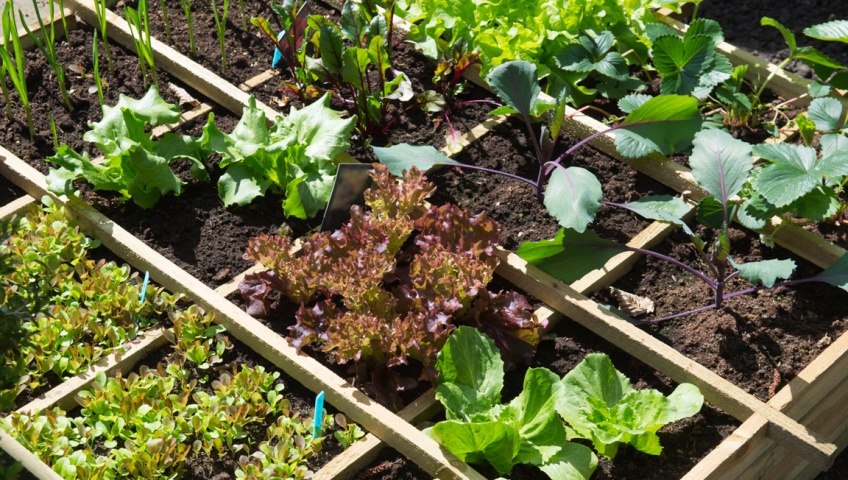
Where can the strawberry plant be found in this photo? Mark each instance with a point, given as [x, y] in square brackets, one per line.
[135, 166]
[391, 284]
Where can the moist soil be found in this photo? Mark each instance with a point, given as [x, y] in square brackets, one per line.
[684, 443]
[9, 191]
[741, 24]
[76, 55]
[743, 342]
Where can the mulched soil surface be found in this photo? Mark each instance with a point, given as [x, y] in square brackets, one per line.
[9, 191]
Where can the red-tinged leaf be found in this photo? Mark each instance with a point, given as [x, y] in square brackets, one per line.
[507, 317]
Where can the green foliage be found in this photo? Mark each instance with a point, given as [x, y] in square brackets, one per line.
[147, 424]
[689, 65]
[221, 28]
[186, 4]
[599, 404]
[138, 22]
[48, 47]
[16, 69]
[348, 433]
[352, 57]
[665, 124]
[479, 429]
[71, 310]
[535, 31]
[136, 166]
[391, 284]
[294, 157]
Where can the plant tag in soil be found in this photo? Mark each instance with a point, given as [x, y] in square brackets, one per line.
[352, 180]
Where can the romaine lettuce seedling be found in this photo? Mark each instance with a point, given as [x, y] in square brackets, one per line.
[480, 429]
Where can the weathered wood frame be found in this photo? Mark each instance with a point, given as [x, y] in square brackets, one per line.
[795, 435]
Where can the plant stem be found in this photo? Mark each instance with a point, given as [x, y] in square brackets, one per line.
[164, 8]
[48, 48]
[220, 26]
[95, 60]
[100, 9]
[186, 4]
[243, 15]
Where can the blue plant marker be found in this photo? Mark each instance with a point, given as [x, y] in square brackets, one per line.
[319, 415]
[277, 54]
[144, 287]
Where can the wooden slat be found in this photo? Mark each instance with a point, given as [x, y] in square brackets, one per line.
[663, 358]
[811, 397]
[17, 206]
[366, 450]
[28, 459]
[62, 395]
[187, 70]
[304, 369]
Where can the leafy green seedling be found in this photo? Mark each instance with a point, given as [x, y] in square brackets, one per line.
[721, 164]
[599, 404]
[294, 157]
[353, 57]
[136, 166]
[665, 124]
[480, 429]
[349, 433]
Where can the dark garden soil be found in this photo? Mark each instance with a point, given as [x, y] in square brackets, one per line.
[45, 98]
[9, 191]
[6, 461]
[513, 203]
[741, 24]
[194, 230]
[760, 341]
[249, 52]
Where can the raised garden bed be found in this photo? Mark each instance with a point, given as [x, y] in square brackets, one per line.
[802, 418]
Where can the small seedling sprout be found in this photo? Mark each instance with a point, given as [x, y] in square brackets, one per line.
[17, 68]
[139, 26]
[221, 27]
[100, 10]
[164, 8]
[48, 48]
[95, 60]
[186, 4]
